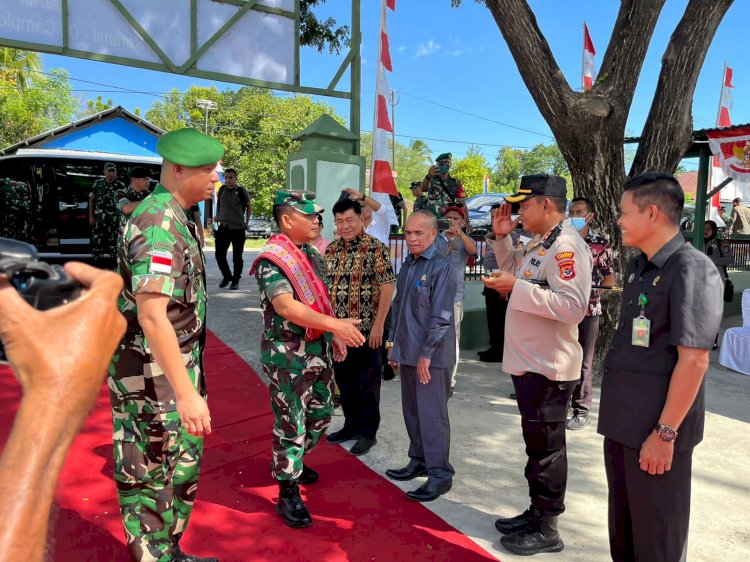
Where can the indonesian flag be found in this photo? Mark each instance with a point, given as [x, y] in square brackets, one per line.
[382, 183]
[486, 184]
[589, 71]
[733, 150]
[722, 120]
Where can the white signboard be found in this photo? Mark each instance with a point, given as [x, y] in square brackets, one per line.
[257, 46]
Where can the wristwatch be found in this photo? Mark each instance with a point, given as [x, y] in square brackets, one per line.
[665, 432]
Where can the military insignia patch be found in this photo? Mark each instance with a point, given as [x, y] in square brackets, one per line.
[541, 252]
[161, 262]
[565, 256]
[527, 274]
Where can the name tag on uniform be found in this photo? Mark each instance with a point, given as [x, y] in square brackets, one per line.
[641, 331]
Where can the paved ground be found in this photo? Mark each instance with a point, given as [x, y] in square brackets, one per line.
[488, 454]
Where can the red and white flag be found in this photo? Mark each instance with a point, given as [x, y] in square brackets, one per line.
[382, 183]
[717, 173]
[589, 70]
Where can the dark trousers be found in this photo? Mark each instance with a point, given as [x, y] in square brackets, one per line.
[387, 370]
[224, 237]
[588, 330]
[649, 515]
[358, 378]
[543, 404]
[425, 409]
[496, 307]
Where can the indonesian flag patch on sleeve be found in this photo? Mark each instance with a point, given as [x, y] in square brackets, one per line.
[161, 262]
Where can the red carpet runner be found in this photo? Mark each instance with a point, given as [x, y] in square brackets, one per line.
[358, 515]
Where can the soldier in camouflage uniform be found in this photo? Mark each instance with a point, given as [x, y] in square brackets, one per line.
[104, 217]
[129, 198]
[156, 379]
[15, 209]
[296, 346]
[441, 189]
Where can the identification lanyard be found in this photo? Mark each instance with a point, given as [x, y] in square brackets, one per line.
[641, 324]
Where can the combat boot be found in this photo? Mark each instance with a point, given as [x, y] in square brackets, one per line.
[291, 507]
[540, 536]
[179, 556]
[508, 525]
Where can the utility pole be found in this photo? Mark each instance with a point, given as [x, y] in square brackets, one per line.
[394, 102]
[208, 105]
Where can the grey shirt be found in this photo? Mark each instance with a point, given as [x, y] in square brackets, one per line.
[422, 312]
[684, 292]
[231, 210]
[456, 252]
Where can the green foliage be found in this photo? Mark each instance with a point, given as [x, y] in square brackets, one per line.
[18, 68]
[255, 126]
[45, 103]
[412, 162]
[471, 170]
[96, 106]
[512, 163]
[319, 33]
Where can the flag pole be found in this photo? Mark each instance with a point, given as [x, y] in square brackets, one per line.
[583, 60]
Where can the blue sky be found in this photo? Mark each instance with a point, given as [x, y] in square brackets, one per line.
[449, 62]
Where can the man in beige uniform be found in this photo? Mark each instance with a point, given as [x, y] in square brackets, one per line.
[549, 282]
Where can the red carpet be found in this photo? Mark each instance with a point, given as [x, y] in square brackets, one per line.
[358, 515]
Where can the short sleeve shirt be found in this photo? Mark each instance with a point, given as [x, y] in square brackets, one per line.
[159, 253]
[601, 267]
[683, 290]
[357, 270]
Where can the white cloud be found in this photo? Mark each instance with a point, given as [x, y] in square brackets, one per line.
[428, 49]
[402, 48]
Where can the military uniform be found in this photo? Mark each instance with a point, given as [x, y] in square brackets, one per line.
[125, 196]
[15, 210]
[443, 193]
[106, 218]
[156, 461]
[299, 373]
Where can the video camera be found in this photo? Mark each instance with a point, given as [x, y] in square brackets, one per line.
[42, 285]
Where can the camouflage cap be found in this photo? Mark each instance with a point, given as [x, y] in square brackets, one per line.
[303, 201]
[139, 172]
[109, 166]
[188, 147]
[444, 156]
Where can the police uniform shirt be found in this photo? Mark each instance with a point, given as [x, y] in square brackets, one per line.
[684, 292]
[541, 325]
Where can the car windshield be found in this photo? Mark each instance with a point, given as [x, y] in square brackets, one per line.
[484, 201]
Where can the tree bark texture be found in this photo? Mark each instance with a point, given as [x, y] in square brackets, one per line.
[589, 126]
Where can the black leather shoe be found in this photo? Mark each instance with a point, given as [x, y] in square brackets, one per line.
[308, 476]
[508, 525]
[409, 472]
[224, 283]
[362, 445]
[491, 358]
[179, 556]
[513, 396]
[429, 491]
[234, 287]
[485, 352]
[291, 507]
[341, 436]
[388, 373]
[541, 536]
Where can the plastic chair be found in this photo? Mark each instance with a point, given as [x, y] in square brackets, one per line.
[735, 345]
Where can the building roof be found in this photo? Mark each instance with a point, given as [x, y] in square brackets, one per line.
[88, 154]
[116, 130]
[688, 181]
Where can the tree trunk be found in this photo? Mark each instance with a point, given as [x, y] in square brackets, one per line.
[590, 126]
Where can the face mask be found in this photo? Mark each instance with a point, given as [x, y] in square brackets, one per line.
[578, 222]
[444, 168]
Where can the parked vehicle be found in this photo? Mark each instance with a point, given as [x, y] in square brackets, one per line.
[60, 183]
[259, 227]
[479, 210]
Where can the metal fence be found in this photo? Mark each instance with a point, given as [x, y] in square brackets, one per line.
[740, 250]
[474, 269]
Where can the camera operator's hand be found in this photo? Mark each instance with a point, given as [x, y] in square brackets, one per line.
[433, 171]
[61, 355]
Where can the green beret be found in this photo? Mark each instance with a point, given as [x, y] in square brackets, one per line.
[444, 156]
[139, 172]
[188, 147]
[303, 201]
[109, 166]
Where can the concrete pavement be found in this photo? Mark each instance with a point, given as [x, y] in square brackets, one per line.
[488, 453]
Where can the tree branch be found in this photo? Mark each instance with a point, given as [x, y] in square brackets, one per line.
[667, 133]
[536, 63]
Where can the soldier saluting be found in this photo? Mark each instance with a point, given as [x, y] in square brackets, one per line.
[157, 389]
[296, 345]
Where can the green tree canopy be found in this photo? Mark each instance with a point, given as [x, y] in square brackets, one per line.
[512, 163]
[471, 170]
[96, 106]
[255, 126]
